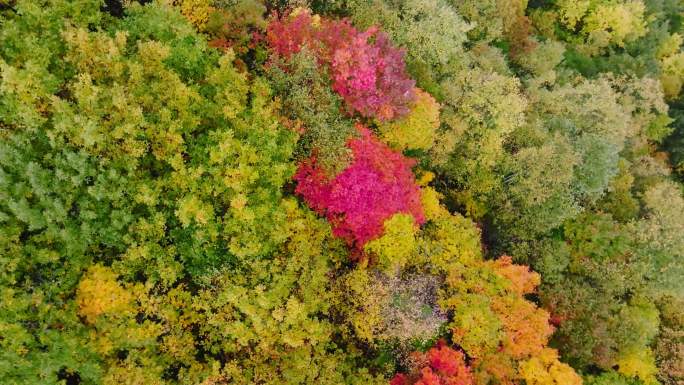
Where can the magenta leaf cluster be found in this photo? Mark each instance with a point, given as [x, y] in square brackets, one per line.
[376, 185]
[366, 70]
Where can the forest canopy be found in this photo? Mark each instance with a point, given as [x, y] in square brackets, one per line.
[430, 192]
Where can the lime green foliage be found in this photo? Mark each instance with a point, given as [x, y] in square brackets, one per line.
[488, 101]
[361, 304]
[485, 16]
[672, 65]
[396, 244]
[639, 364]
[417, 130]
[600, 24]
[538, 193]
[447, 238]
[658, 239]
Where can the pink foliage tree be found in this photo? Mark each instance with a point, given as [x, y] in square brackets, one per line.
[376, 185]
[366, 70]
[287, 35]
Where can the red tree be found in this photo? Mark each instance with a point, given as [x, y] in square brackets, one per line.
[376, 185]
[441, 365]
[366, 70]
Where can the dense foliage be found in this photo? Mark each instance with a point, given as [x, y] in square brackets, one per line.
[476, 192]
[376, 185]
